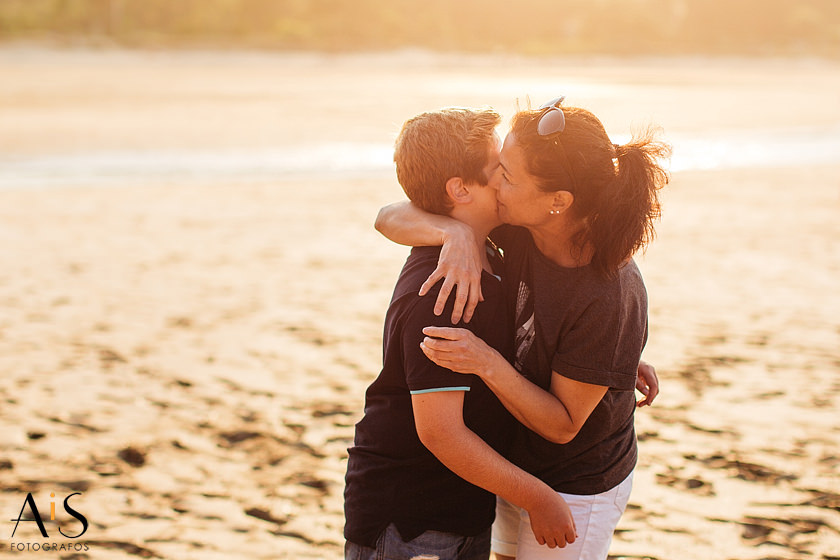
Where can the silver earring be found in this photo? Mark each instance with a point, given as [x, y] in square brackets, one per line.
[554, 211]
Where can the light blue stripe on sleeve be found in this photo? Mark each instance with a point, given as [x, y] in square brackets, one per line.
[439, 389]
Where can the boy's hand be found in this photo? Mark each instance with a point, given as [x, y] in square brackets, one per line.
[552, 522]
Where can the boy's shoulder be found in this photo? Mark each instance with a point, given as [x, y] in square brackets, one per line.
[419, 265]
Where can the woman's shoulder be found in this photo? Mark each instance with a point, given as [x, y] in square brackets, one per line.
[630, 277]
[596, 290]
[625, 289]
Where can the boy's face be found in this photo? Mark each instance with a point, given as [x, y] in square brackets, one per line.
[485, 195]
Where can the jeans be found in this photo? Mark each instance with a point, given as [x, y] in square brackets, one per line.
[431, 545]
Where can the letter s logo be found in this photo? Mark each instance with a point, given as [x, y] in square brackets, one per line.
[75, 514]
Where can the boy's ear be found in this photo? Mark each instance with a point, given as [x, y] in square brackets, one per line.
[457, 190]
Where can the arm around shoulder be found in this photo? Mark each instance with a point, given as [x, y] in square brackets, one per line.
[406, 224]
[460, 261]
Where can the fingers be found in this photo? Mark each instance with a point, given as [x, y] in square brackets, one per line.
[644, 390]
[461, 297]
[431, 281]
[437, 346]
[647, 383]
[554, 542]
[641, 386]
[653, 391]
[448, 333]
[438, 356]
[467, 295]
[474, 297]
[439, 351]
[445, 290]
[430, 353]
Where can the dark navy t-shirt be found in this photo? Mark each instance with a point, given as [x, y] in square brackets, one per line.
[391, 476]
[586, 327]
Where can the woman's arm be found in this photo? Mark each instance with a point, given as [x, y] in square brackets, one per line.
[406, 224]
[459, 264]
[647, 383]
[557, 416]
[440, 424]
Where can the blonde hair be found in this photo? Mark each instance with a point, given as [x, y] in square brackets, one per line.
[435, 146]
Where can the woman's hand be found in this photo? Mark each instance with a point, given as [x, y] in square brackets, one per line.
[460, 266]
[647, 383]
[460, 350]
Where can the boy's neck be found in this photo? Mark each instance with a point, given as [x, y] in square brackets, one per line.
[480, 232]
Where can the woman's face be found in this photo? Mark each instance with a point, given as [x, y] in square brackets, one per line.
[521, 202]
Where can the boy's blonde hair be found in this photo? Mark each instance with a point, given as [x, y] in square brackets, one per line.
[435, 146]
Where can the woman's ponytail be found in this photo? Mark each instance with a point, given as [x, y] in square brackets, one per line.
[628, 207]
[615, 187]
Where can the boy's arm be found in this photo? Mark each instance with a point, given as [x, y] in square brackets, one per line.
[459, 264]
[440, 426]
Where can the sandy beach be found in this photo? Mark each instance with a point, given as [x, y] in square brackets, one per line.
[189, 354]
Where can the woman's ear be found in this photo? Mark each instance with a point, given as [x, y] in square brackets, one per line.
[561, 201]
[458, 192]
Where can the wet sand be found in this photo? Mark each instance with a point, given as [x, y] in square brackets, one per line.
[191, 358]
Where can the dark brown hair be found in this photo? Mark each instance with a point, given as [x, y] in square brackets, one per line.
[615, 188]
[433, 147]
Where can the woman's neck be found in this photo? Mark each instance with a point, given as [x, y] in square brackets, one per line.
[557, 245]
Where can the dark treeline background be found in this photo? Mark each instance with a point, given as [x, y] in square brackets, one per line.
[617, 27]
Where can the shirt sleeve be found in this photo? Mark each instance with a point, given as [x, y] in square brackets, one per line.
[589, 351]
[421, 374]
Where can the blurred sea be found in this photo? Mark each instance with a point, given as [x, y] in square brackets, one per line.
[723, 150]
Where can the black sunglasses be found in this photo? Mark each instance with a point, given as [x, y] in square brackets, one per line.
[552, 120]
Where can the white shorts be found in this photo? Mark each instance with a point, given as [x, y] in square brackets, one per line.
[596, 517]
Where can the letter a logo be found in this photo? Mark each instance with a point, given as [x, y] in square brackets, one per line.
[34, 509]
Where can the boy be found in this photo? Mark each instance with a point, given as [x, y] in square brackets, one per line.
[425, 466]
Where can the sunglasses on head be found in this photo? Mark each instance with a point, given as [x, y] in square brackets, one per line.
[552, 120]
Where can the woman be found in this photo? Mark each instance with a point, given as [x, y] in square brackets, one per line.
[582, 207]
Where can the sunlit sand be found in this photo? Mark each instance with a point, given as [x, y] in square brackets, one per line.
[190, 351]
